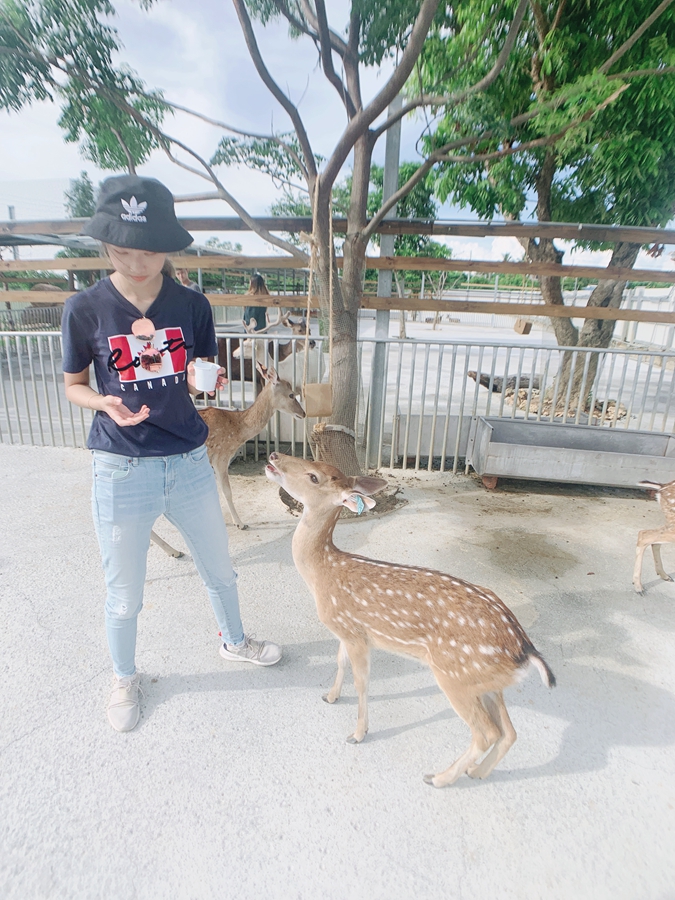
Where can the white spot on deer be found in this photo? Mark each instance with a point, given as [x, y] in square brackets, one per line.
[432, 588]
[408, 596]
[461, 620]
[504, 619]
[511, 632]
[389, 593]
[477, 665]
[487, 651]
[467, 649]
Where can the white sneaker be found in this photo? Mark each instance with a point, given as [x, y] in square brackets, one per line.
[260, 653]
[124, 708]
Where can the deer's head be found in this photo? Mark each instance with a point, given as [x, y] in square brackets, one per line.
[320, 486]
[283, 395]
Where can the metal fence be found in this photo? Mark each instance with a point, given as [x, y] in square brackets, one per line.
[425, 411]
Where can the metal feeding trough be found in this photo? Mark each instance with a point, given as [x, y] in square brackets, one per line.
[581, 454]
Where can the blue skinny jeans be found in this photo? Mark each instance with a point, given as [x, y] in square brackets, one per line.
[128, 495]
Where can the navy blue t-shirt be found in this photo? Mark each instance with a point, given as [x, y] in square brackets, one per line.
[96, 327]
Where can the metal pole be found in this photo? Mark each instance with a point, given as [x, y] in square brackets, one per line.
[384, 280]
[12, 217]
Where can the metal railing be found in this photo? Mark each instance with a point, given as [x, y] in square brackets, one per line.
[426, 408]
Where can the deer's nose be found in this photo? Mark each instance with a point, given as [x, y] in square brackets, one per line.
[273, 456]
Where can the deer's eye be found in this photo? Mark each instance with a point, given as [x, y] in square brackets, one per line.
[313, 478]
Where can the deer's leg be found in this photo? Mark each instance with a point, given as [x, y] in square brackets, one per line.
[484, 732]
[359, 657]
[494, 703]
[223, 480]
[167, 548]
[334, 693]
[649, 538]
[658, 565]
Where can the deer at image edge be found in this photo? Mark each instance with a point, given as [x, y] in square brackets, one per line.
[471, 641]
[654, 537]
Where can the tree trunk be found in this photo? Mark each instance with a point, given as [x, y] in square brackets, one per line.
[337, 446]
[596, 332]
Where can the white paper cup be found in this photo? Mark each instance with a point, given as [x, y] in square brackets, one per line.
[206, 375]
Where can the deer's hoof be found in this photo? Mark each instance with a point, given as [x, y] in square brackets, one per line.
[242, 527]
[327, 698]
[639, 589]
[354, 739]
[666, 578]
[177, 554]
[429, 779]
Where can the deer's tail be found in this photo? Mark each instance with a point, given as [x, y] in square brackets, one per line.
[542, 667]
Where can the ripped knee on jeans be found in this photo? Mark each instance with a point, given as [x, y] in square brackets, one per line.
[122, 609]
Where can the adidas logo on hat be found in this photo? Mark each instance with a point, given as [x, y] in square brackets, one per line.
[134, 211]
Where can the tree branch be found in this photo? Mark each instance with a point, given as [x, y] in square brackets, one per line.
[273, 87]
[260, 137]
[486, 81]
[637, 34]
[327, 59]
[441, 155]
[364, 117]
[130, 160]
[314, 20]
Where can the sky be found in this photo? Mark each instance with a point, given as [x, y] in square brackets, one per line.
[195, 52]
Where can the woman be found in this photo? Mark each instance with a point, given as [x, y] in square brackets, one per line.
[142, 331]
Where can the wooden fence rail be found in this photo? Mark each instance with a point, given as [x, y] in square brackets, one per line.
[569, 231]
[398, 263]
[410, 304]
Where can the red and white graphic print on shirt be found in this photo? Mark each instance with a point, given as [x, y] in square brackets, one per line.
[140, 360]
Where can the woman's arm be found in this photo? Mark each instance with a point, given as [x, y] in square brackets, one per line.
[80, 393]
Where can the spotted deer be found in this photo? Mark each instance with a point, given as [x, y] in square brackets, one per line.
[654, 537]
[471, 641]
[230, 428]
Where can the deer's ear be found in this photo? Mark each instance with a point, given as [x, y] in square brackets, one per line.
[272, 375]
[263, 371]
[356, 501]
[366, 484]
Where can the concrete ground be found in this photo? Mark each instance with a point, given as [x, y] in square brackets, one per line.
[238, 781]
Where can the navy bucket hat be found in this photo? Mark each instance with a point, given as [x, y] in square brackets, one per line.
[137, 213]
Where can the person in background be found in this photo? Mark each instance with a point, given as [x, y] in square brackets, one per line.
[142, 331]
[184, 277]
[257, 287]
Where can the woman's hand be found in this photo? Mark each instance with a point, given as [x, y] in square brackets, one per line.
[119, 413]
[220, 383]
